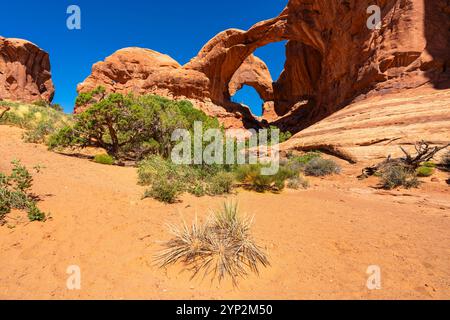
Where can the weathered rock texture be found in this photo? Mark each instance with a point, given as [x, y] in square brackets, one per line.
[24, 72]
[333, 59]
[375, 127]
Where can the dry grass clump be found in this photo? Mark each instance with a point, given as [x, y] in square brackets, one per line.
[222, 246]
[398, 176]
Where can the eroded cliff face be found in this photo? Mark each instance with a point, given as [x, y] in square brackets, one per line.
[24, 72]
[332, 57]
[332, 60]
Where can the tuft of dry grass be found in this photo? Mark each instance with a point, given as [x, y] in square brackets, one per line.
[221, 246]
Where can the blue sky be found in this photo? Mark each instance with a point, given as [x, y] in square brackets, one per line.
[177, 28]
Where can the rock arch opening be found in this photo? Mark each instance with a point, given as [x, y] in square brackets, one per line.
[253, 82]
[248, 96]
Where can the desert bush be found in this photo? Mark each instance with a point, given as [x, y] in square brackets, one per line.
[62, 138]
[252, 178]
[155, 171]
[398, 176]
[14, 193]
[28, 116]
[166, 179]
[297, 183]
[222, 246]
[197, 188]
[39, 133]
[156, 166]
[104, 159]
[164, 190]
[424, 171]
[130, 127]
[319, 167]
[428, 164]
[220, 183]
[34, 214]
[305, 158]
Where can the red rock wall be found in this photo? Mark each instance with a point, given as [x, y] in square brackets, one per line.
[333, 58]
[24, 72]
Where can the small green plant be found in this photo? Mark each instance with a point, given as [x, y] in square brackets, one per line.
[104, 159]
[428, 164]
[306, 158]
[220, 247]
[14, 193]
[251, 178]
[425, 171]
[152, 167]
[221, 183]
[197, 189]
[40, 121]
[39, 133]
[167, 178]
[164, 190]
[398, 176]
[319, 167]
[34, 214]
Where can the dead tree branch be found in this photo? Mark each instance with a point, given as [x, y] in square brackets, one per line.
[424, 153]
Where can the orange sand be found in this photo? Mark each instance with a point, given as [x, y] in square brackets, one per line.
[320, 241]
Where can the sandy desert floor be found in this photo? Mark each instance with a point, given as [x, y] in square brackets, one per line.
[320, 241]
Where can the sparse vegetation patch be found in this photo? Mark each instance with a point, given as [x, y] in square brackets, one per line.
[220, 247]
[15, 193]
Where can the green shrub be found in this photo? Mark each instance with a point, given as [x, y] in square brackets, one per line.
[130, 127]
[14, 193]
[197, 180]
[252, 178]
[166, 179]
[398, 176]
[424, 171]
[221, 246]
[164, 190]
[34, 214]
[62, 138]
[429, 164]
[104, 159]
[319, 167]
[306, 158]
[40, 121]
[156, 166]
[221, 183]
[39, 133]
[197, 188]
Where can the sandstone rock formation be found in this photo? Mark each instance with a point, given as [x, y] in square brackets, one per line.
[332, 56]
[253, 72]
[144, 71]
[24, 72]
[332, 60]
[375, 127]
